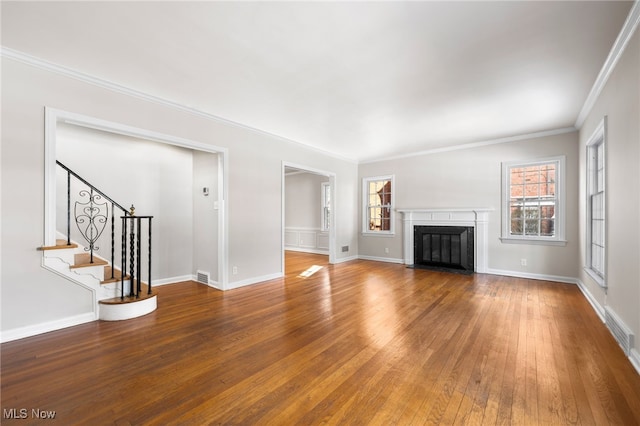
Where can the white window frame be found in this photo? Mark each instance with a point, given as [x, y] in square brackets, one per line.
[598, 138]
[365, 206]
[325, 214]
[559, 210]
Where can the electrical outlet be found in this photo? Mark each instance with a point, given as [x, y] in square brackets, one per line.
[523, 262]
[234, 270]
[386, 250]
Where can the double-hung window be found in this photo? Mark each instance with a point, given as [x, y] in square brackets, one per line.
[326, 205]
[533, 201]
[378, 205]
[595, 249]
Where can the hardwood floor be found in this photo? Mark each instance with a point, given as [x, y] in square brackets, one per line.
[355, 343]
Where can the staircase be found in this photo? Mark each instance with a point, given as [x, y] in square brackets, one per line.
[72, 262]
[117, 295]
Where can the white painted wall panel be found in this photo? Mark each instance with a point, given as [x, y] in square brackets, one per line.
[620, 102]
[307, 240]
[322, 241]
[291, 238]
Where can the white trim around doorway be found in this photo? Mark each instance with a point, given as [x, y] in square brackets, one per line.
[54, 116]
[332, 215]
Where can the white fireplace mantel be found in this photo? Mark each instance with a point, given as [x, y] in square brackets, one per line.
[476, 217]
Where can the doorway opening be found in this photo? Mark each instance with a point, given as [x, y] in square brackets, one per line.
[200, 157]
[308, 214]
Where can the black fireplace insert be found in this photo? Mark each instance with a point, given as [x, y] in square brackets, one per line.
[443, 247]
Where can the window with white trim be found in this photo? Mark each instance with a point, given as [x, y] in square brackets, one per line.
[326, 205]
[595, 250]
[533, 201]
[378, 204]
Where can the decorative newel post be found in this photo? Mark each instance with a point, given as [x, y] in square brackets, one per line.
[135, 249]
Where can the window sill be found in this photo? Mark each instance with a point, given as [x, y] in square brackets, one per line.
[533, 241]
[379, 234]
[597, 278]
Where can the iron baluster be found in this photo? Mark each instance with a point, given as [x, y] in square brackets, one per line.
[138, 258]
[132, 252]
[91, 218]
[113, 242]
[68, 208]
[91, 241]
[149, 290]
[123, 251]
[135, 251]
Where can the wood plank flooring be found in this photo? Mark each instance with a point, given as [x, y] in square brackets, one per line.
[356, 343]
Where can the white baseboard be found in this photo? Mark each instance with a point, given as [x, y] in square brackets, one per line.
[592, 300]
[172, 280]
[211, 283]
[215, 284]
[381, 259]
[531, 276]
[305, 250]
[32, 330]
[254, 280]
[345, 259]
[634, 357]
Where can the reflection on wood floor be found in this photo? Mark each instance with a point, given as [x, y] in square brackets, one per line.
[354, 343]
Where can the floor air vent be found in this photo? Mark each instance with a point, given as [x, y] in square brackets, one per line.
[620, 331]
[203, 277]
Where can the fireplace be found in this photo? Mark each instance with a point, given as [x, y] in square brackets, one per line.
[475, 218]
[444, 247]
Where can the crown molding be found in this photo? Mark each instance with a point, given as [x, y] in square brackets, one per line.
[629, 27]
[476, 144]
[34, 61]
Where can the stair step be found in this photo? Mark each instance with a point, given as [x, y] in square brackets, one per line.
[130, 299]
[117, 275]
[83, 260]
[112, 309]
[60, 245]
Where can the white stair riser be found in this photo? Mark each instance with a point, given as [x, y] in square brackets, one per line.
[102, 291]
[125, 311]
[96, 272]
[113, 290]
[65, 255]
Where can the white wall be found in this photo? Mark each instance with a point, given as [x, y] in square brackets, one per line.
[472, 178]
[303, 200]
[32, 295]
[205, 214]
[303, 213]
[620, 102]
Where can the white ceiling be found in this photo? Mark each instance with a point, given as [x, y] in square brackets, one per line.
[363, 80]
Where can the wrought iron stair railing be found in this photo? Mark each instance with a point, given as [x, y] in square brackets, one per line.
[91, 213]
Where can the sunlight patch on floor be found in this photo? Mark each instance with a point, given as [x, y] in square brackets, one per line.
[310, 271]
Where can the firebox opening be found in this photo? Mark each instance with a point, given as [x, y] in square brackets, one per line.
[444, 247]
